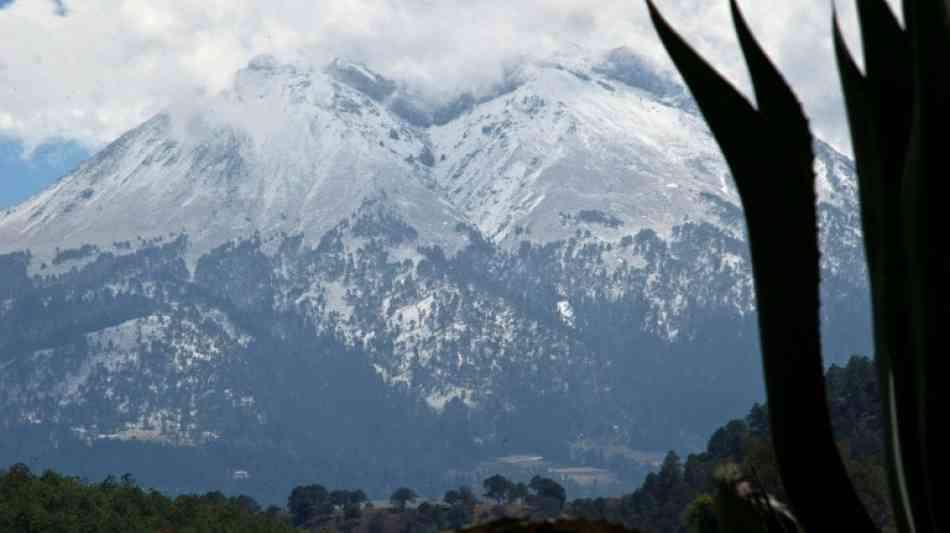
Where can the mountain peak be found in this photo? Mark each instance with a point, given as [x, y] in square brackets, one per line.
[580, 142]
[569, 238]
[361, 78]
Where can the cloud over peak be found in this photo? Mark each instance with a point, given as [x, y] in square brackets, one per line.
[107, 65]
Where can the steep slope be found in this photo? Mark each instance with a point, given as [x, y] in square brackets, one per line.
[284, 151]
[318, 273]
[608, 144]
[570, 143]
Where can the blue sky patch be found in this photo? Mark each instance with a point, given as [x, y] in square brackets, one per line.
[21, 178]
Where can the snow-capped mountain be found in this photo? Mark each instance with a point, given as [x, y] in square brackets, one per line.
[295, 151]
[319, 261]
[284, 151]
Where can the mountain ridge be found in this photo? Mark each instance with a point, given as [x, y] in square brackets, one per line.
[369, 286]
[292, 150]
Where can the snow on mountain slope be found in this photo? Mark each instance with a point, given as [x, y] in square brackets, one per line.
[606, 145]
[561, 257]
[178, 353]
[285, 151]
[584, 143]
[561, 144]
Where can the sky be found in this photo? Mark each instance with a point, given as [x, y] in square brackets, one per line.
[21, 177]
[79, 73]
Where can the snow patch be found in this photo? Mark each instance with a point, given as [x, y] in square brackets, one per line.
[440, 398]
[566, 312]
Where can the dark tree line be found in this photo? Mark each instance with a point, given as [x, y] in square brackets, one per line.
[680, 497]
[50, 502]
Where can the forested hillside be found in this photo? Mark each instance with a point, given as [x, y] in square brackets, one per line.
[679, 497]
[51, 502]
[367, 295]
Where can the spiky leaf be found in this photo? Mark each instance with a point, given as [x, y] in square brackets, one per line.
[926, 241]
[879, 118]
[769, 153]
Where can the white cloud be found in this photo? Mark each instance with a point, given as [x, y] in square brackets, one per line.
[110, 64]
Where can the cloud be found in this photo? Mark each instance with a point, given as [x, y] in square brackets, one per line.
[100, 67]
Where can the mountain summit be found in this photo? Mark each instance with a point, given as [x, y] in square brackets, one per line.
[322, 275]
[296, 150]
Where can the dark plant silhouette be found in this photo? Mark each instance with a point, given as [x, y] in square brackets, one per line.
[896, 111]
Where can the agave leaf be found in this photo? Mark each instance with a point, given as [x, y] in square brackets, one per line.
[879, 118]
[770, 156]
[864, 141]
[718, 100]
[926, 246]
[777, 102]
[886, 44]
[908, 10]
[889, 86]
